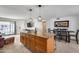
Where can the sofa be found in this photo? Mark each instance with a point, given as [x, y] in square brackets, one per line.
[4, 40]
[0, 35]
[1, 41]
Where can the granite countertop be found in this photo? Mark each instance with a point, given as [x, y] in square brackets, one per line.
[45, 35]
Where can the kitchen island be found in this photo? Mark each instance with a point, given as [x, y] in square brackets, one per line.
[40, 42]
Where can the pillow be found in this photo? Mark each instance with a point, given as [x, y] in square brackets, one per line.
[0, 35]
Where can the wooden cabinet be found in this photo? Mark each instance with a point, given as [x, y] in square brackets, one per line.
[37, 43]
[22, 38]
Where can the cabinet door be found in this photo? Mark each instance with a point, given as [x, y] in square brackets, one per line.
[30, 42]
[43, 41]
[33, 44]
[26, 40]
[42, 47]
[36, 44]
[51, 45]
[40, 44]
[22, 39]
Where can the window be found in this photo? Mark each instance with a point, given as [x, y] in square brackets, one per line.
[7, 27]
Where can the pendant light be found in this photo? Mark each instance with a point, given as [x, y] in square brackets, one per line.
[39, 17]
[30, 18]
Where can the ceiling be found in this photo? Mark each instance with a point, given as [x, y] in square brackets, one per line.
[46, 11]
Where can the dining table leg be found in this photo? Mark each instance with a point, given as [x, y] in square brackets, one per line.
[69, 39]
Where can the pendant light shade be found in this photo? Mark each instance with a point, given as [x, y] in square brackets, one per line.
[30, 18]
[39, 17]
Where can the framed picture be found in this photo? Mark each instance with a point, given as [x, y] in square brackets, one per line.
[61, 23]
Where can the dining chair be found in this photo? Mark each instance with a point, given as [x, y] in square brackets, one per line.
[57, 34]
[64, 34]
[74, 35]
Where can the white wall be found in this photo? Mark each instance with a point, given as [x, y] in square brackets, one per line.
[6, 19]
[73, 22]
[19, 23]
[20, 26]
[36, 24]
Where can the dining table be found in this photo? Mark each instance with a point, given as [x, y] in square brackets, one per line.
[66, 34]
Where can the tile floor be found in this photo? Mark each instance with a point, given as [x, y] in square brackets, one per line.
[61, 47]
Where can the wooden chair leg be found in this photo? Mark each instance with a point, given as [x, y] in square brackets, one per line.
[77, 40]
